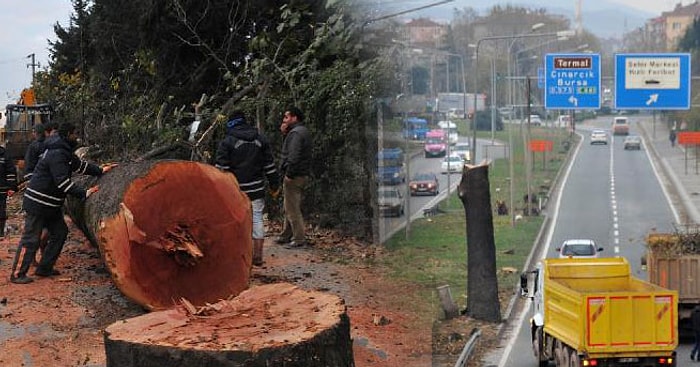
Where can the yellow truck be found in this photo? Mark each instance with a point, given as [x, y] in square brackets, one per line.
[593, 312]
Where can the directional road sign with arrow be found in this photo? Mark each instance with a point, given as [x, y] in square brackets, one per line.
[572, 81]
[652, 81]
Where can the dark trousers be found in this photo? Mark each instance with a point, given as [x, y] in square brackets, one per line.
[3, 213]
[696, 347]
[29, 243]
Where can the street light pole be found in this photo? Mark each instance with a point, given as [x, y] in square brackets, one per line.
[565, 33]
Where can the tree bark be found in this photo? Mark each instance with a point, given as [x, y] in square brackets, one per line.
[270, 325]
[482, 281]
[169, 229]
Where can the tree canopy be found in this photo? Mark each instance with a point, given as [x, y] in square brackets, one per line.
[128, 73]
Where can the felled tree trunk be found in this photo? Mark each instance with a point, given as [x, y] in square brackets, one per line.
[169, 230]
[271, 325]
[482, 281]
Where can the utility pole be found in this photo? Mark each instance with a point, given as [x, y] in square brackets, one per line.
[33, 64]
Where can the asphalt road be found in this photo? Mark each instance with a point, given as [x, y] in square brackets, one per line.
[612, 196]
[388, 226]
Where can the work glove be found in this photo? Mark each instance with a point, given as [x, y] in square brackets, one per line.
[91, 191]
[108, 167]
[10, 193]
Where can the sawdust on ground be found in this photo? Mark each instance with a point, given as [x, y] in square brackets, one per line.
[59, 321]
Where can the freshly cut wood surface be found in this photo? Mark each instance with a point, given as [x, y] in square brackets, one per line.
[169, 230]
[276, 324]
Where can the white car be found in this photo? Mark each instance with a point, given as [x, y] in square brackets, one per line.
[452, 163]
[463, 150]
[579, 248]
[599, 137]
[451, 129]
[535, 120]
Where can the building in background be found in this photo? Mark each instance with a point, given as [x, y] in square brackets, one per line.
[677, 21]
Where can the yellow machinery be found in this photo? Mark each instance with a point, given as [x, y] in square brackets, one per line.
[20, 120]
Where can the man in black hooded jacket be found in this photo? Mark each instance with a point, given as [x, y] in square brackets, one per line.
[246, 153]
[43, 202]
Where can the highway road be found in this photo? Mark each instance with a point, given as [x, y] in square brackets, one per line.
[388, 226]
[612, 196]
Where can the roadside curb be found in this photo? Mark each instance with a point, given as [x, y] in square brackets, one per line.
[537, 245]
[516, 303]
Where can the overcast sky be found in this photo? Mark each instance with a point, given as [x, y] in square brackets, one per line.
[25, 27]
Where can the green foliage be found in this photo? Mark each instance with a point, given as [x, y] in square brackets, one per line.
[128, 73]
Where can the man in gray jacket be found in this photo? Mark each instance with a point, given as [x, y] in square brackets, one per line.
[295, 170]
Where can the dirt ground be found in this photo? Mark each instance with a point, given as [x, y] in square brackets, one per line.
[59, 321]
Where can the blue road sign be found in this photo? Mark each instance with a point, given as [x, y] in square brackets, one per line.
[652, 81]
[572, 81]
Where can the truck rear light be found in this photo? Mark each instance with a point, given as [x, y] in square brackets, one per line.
[668, 361]
[590, 362]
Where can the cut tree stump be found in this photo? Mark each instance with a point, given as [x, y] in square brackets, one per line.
[482, 285]
[270, 325]
[169, 230]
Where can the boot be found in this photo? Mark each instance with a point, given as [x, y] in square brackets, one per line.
[258, 252]
[2, 228]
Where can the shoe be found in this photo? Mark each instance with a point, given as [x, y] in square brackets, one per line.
[21, 280]
[692, 357]
[282, 240]
[53, 272]
[297, 244]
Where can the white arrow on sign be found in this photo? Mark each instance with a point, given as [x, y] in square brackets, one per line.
[652, 98]
[573, 100]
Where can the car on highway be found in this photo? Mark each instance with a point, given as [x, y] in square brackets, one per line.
[632, 142]
[452, 163]
[425, 183]
[451, 129]
[583, 248]
[462, 149]
[620, 125]
[390, 201]
[599, 137]
[535, 120]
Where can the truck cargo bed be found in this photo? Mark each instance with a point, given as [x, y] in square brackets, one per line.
[598, 308]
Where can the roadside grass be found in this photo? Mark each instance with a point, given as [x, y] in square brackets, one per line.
[435, 252]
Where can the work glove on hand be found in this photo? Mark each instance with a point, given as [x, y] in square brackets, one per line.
[10, 193]
[108, 167]
[91, 191]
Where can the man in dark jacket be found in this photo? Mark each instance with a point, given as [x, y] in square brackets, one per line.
[43, 202]
[296, 167]
[246, 153]
[8, 185]
[695, 321]
[31, 158]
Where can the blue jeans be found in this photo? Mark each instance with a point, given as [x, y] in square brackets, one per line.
[258, 227]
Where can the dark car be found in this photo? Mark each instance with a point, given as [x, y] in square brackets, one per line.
[390, 201]
[424, 184]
